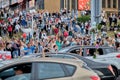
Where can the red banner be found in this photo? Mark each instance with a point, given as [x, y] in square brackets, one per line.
[5, 55]
[83, 5]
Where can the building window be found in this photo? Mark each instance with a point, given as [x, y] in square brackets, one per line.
[119, 5]
[65, 4]
[109, 3]
[68, 4]
[62, 4]
[41, 6]
[114, 3]
[103, 3]
[73, 4]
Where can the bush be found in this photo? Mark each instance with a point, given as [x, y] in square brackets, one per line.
[83, 18]
[99, 26]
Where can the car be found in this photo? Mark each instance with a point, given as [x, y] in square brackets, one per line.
[104, 71]
[45, 69]
[105, 54]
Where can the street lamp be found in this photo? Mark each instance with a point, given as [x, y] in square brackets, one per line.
[96, 9]
[1, 3]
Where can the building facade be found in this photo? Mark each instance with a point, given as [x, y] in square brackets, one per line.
[110, 6]
[119, 6]
[55, 5]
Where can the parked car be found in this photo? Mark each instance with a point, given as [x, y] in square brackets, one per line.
[104, 71]
[104, 55]
[45, 69]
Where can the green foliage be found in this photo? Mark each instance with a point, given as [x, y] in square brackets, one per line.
[94, 56]
[83, 18]
[99, 26]
[93, 30]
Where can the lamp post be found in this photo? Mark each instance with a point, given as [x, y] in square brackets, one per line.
[1, 3]
[119, 6]
[32, 25]
[96, 9]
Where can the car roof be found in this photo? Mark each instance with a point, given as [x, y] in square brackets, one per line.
[86, 46]
[90, 63]
[28, 60]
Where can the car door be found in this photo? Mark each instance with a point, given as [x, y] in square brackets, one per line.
[54, 71]
[22, 71]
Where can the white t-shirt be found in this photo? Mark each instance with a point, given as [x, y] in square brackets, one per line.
[17, 27]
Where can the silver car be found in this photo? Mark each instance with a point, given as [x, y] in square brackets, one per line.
[45, 69]
[103, 54]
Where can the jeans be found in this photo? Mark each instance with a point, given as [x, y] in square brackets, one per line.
[15, 53]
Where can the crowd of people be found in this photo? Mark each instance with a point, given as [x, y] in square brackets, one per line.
[50, 32]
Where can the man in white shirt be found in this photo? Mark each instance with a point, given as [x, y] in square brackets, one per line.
[17, 27]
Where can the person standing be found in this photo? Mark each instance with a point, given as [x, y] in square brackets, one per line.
[10, 30]
[110, 20]
[15, 48]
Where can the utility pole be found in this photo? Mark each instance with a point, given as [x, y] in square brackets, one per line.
[96, 9]
[1, 4]
[119, 6]
[32, 25]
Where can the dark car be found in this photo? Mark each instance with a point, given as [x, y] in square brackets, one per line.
[103, 70]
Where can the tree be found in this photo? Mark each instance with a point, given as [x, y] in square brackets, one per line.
[84, 18]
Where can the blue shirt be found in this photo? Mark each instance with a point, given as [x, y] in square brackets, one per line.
[29, 50]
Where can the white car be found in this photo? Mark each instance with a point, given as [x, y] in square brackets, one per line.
[105, 55]
[111, 58]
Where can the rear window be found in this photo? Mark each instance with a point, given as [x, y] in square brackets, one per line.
[71, 69]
